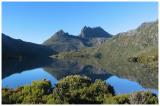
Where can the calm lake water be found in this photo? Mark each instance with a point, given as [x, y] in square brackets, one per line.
[17, 73]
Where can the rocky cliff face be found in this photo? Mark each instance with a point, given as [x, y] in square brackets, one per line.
[96, 32]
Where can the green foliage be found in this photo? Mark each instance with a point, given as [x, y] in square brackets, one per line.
[143, 59]
[133, 59]
[76, 89]
[71, 54]
[7, 95]
[143, 98]
[134, 98]
[139, 45]
[31, 94]
[73, 89]
[148, 57]
[98, 55]
[119, 99]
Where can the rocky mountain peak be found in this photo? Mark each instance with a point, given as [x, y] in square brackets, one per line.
[88, 32]
[60, 33]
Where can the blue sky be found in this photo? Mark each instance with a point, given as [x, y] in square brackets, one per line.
[37, 21]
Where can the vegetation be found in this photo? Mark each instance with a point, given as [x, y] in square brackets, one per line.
[134, 98]
[31, 94]
[147, 57]
[18, 49]
[71, 54]
[78, 54]
[140, 46]
[98, 55]
[143, 98]
[73, 89]
[119, 99]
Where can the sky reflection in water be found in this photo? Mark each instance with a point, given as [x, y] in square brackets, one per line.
[121, 86]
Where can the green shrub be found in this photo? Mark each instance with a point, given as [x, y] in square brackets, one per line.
[98, 55]
[119, 99]
[143, 98]
[77, 89]
[28, 94]
[73, 89]
[6, 95]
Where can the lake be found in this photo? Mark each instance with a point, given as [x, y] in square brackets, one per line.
[17, 73]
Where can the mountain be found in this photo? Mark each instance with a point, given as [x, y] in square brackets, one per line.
[62, 41]
[141, 43]
[16, 48]
[95, 32]
[94, 36]
[144, 36]
[88, 37]
[114, 53]
[140, 40]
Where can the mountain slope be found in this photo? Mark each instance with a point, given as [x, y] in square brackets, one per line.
[15, 48]
[88, 37]
[114, 53]
[133, 42]
[62, 41]
[139, 42]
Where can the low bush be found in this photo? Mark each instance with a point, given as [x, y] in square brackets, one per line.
[73, 89]
[143, 98]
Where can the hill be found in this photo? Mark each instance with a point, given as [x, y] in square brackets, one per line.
[114, 54]
[16, 48]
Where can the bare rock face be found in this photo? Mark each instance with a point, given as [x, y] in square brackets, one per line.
[88, 32]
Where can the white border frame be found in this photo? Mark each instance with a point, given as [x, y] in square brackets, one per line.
[76, 1]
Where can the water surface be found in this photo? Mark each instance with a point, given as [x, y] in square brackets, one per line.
[19, 73]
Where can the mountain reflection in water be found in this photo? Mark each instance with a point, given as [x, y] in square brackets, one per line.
[18, 73]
